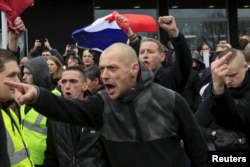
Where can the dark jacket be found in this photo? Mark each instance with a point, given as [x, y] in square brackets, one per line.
[191, 91]
[142, 128]
[213, 113]
[72, 146]
[231, 109]
[176, 76]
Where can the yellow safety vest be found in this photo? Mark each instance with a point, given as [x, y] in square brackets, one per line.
[35, 132]
[17, 150]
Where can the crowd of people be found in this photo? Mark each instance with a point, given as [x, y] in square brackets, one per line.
[129, 105]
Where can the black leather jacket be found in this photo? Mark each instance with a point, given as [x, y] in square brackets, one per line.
[72, 146]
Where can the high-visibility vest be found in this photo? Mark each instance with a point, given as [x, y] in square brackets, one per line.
[34, 127]
[16, 146]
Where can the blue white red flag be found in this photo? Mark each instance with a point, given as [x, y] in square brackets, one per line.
[99, 35]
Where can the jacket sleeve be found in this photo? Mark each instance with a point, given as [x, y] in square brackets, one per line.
[229, 113]
[183, 63]
[136, 44]
[79, 112]
[50, 157]
[189, 132]
[16, 53]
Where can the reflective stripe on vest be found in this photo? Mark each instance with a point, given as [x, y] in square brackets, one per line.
[38, 125]
[17, 151]
[35, 128]
[15, 157]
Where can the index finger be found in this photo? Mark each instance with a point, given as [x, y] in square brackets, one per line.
[16, 85]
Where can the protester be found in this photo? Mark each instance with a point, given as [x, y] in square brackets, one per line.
[135, 115]
[33, 124]
[94, 81]
[198, 64]
[232, 74]
[12, 144]
[55, 70]
[87, 58]
[151, 53]
[80, 146]
[230, 91]
[43, 45]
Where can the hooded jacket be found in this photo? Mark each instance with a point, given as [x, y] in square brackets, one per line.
[39, 70]
[142, 128]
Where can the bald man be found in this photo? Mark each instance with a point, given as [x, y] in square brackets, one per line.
[140, 122]
[228, 100]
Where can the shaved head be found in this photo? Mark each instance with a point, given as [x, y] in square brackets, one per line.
[126, 52]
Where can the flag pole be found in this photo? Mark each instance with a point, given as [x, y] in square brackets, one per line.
[4, 30]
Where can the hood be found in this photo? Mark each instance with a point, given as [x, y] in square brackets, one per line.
[144, 79]
[39, 70]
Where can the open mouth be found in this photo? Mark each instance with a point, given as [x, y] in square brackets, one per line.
[68, 94]
[146, 64]
[110, 88]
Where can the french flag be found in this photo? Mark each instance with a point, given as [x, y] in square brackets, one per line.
[100, 34]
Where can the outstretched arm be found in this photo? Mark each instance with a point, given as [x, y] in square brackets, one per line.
[79, 112]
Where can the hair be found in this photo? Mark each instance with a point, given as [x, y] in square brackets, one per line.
[79, 69]
[46, 50]
[158, 43]
[6, 56]
[201, 45]
[93, 72]
[59, 65]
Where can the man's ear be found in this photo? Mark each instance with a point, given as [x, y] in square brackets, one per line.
[135, 69]
[246, 66]
[163, 57]
[59, 82]
[84, 86]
